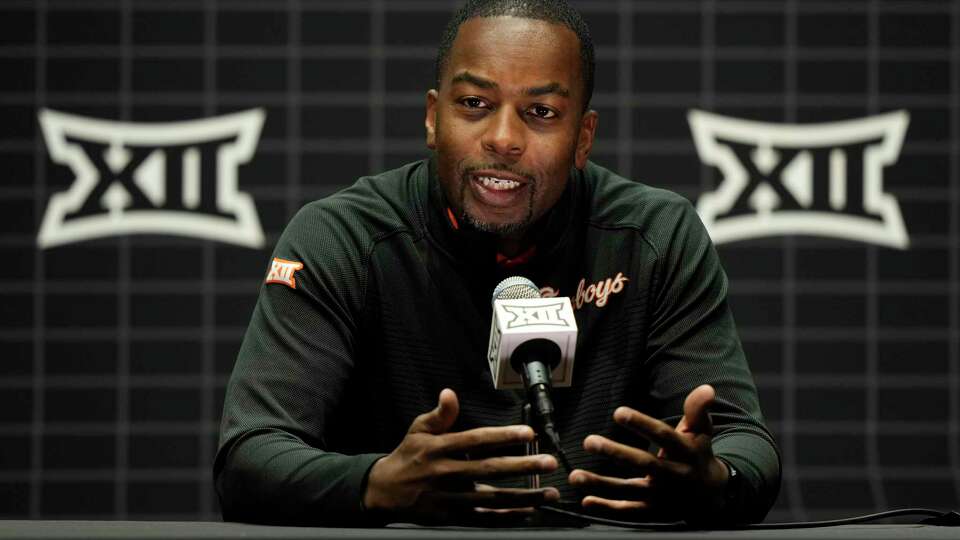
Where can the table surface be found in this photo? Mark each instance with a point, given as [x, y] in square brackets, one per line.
[213, 530]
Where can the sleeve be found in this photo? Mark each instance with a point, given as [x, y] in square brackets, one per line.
[293, 365]
[692, 340]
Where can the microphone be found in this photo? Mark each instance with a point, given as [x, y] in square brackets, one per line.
[521, 315]
[536, 337]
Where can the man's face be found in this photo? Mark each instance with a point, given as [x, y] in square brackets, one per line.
[507, 121]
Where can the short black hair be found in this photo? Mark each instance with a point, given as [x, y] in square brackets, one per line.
[552, 11]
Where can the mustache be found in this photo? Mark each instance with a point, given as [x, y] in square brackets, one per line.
[470, 169]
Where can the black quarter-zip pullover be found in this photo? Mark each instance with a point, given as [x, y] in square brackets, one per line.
[392, 304]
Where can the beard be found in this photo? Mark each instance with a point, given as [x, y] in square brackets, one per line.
[512, 229]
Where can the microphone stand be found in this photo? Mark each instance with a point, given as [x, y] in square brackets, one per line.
[532, 447]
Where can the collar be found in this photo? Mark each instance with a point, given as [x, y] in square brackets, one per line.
[511, 262]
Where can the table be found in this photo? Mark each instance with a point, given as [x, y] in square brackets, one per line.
[137, 530]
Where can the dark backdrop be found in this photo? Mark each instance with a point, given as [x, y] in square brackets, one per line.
[115, 351]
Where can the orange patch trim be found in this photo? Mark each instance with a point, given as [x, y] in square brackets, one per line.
[282, 271]
[452, 219]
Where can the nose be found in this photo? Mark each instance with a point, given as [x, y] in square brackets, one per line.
[505, 134]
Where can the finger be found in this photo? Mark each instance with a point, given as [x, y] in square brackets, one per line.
[614, 504]
[644, 460]
[485, 437]
[507, 511]
[526, 510]
[611, 487]
[504, 511]
[696, 411]
[501, 498]
[495, 467]
[440, 419]
[655, 430]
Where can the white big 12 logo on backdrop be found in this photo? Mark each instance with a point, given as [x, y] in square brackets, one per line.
[817, 179]
[177, 178]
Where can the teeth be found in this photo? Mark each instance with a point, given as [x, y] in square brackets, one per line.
[498, 184]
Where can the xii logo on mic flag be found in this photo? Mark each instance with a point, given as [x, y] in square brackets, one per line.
[518, 320]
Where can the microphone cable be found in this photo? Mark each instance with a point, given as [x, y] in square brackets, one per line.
[554, 437]
[945, 518]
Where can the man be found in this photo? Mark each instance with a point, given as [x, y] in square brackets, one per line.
[361, 394]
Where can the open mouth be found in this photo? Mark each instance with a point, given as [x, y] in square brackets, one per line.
[497, 184]
[499, 189]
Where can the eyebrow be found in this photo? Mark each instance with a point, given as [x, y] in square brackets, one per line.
[468, 77]
[550, 88]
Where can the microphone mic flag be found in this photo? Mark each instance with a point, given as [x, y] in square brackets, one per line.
[520, 316]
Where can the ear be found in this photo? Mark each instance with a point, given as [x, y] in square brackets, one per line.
[588, 127]
[430, 122]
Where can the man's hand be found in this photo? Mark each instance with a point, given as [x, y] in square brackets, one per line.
[684, 480]
[424, 479]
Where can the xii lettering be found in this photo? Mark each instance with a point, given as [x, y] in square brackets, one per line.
[824, 179]
[178, 178]
[822, 175]
[173, 184]
[539, 315]
[282, 272]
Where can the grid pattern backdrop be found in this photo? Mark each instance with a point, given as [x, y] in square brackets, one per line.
[114, 353]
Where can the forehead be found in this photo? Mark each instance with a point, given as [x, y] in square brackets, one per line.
[516, 50]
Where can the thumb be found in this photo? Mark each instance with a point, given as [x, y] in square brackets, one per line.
[696, 409]
[440, 419]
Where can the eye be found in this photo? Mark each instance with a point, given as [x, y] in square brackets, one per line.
[473, 102]
[542, 111]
